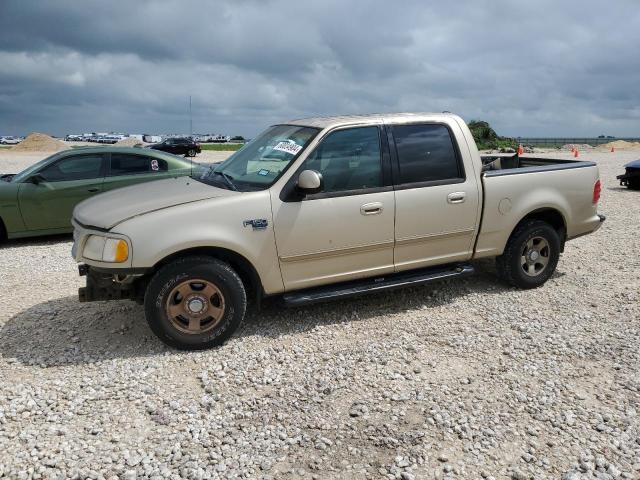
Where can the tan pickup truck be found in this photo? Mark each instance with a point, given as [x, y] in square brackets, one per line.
[326, 208]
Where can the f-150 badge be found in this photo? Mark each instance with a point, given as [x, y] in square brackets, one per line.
[257, 223]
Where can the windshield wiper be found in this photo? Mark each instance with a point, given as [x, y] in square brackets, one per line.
[228, 179]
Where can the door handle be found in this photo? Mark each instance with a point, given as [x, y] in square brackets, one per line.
[457, 197]
[93, 190]
[371, 208]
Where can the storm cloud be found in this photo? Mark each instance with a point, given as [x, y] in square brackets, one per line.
[529, 68]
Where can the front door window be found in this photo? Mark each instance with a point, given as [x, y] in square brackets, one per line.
[348, 160]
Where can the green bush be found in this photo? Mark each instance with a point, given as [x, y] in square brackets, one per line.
[486, 137]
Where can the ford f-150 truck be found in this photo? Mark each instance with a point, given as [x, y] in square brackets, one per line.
[326, 208]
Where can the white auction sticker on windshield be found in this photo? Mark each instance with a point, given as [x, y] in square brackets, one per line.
[288, 147]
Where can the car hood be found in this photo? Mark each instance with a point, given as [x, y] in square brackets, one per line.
[107, 210]
[634, 164]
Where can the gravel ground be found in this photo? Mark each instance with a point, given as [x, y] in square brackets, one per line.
[468, 379]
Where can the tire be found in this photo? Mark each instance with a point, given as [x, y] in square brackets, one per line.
[185, 285]
[633, 184]
[3, 232]
[191, 152]
[519, 266]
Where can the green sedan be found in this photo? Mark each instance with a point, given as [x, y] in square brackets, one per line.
[40, 199]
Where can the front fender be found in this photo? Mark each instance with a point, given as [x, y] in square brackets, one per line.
[224, 222]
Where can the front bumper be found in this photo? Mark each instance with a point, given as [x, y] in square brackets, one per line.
[102, 285]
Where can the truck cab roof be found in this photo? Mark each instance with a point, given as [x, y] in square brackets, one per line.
[373, 118]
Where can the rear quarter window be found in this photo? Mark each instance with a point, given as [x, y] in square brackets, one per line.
[125, 164]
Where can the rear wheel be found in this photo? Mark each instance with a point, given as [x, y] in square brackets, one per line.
[531, 255]
[191, 152]
[633, 183]
[195, 303]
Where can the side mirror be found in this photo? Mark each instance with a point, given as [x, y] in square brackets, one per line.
[36, 179]
[310, 182]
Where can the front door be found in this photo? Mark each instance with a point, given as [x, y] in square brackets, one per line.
[345, 231]
[50, 203]
[437, 202]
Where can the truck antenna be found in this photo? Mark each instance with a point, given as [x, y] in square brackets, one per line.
[190, 118]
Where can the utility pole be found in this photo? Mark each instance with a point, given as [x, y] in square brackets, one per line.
[190, 118]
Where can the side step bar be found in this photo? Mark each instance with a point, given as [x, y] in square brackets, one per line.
[377, 284]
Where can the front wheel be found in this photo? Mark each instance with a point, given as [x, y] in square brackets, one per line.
[531, 255]
[195, 303]
[191, 152]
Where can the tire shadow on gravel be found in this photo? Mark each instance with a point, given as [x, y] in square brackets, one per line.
[66, 332]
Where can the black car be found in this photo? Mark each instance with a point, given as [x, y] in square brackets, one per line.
[178, 146]
[631, 176]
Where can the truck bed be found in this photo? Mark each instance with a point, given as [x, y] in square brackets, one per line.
[498, 165]
[565, 186]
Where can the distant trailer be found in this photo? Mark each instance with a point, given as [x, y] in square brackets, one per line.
[219, 139]
[151, 138]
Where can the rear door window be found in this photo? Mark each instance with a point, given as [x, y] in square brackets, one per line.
[426, 153]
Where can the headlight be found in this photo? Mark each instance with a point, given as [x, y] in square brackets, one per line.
[105, 249]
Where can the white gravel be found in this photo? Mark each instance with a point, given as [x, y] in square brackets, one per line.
[468, 379]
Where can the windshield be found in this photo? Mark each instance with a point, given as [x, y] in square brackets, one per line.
[36, 166]
[260, 163]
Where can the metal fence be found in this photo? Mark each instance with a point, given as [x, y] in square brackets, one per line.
[558, 142]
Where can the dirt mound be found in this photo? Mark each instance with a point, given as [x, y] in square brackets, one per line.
[129, 142]
[620, 145]
[40, 142]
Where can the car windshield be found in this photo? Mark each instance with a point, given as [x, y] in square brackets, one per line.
[260, 163]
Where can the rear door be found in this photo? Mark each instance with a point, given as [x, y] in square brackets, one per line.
[68, 181]
[128, 169]
[437, 201]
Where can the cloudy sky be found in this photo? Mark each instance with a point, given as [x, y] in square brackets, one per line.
[530, 68]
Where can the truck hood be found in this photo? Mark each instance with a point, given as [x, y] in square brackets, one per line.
[107, 210]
